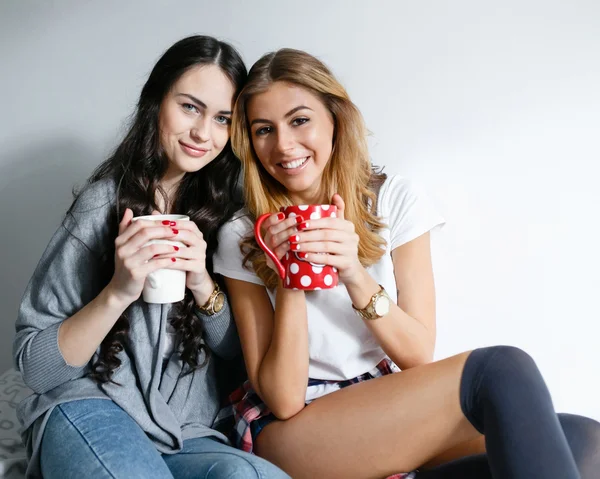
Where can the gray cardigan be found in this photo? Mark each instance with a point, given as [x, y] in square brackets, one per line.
[169, 408]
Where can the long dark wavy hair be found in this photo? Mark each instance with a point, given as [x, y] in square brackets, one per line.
[209, 196]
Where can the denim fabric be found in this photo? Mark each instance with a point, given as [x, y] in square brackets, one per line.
[96, 438]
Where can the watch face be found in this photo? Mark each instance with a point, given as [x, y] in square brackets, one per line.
[382, 306]
[219, 302]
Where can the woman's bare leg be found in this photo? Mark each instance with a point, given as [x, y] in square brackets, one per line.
[375, 428]
[468, 448]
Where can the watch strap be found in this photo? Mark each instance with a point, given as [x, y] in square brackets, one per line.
[368, 312]
[208, 308]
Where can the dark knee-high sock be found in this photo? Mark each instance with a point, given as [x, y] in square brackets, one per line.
[504, 396]
[583, 436]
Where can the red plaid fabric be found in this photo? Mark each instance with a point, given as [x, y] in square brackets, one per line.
[245, 406]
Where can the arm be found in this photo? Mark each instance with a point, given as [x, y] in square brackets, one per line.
[407, 332]
[274, 343]
[220, 333]
[65, 313]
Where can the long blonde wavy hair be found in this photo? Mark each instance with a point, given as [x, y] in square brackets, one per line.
[349, 171]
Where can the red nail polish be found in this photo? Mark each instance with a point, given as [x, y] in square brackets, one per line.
[299, 219]
[294, 239]
[176, 248]
[173, 259]
[174, 231]
[165, 222]
[295, 247]
[303, 226]
[302, 255]
[172, 223]
[280, 216]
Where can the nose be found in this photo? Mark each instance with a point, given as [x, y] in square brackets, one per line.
[285, 140]
[201, 130]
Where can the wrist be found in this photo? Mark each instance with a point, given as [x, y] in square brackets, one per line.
[358, 277]
[114, 301]
[203, 292]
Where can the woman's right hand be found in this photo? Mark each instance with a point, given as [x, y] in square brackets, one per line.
[134, 261]
[277, 232]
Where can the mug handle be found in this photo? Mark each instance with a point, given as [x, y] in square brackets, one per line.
[264, 246]
[153, 280]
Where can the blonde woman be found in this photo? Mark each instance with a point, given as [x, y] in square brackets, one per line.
[325, 397]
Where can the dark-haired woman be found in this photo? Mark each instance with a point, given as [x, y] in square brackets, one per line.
[124, 388]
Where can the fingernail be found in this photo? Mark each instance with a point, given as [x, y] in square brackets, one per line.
[174, 231]
[280, 216]
[302, 255]
[303, 226]
[173, 259]
[294, 238]
[176, 248]
[172, 223]
[299, 219]
[165, 222]
[295, 247]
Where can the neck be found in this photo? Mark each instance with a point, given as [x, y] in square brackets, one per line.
[169, 184]
[309, 197]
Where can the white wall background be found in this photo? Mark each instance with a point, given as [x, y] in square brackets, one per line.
[494, 107]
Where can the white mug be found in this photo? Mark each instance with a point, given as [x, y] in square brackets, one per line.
[164, 285]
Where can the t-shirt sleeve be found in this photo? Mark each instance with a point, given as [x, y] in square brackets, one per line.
[407, 210]
[228, 260]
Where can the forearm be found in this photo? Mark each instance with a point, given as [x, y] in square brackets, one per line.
[403, 338]
[283, 373]
[220, 333]
[80, 335]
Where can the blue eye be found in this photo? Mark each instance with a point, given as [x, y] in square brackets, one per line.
[189, 107]
[263, 131]
[299, 121]
[223, 120]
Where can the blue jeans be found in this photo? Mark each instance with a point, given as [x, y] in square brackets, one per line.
[95, 438]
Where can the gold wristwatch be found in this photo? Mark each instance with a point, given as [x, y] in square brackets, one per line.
[215, 302]
[377, 308]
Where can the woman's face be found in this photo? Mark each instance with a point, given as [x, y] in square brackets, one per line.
[292, 135]
[194, 120]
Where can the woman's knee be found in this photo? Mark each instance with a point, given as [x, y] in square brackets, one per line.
[507, 364]
[231, 466]
[245, 466]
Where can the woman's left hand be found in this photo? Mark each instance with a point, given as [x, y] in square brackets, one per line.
[192, 260]
[331, 241]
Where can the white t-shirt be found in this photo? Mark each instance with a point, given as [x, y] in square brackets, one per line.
[340, 344]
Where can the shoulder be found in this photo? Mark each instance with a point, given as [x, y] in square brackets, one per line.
[238, 226]
[406, 209]
[98, 195]
[90, 218]
[397, 192]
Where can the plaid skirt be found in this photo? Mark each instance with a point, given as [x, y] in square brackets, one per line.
[245, 414]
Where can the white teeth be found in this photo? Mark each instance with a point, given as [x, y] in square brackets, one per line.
[294, 164]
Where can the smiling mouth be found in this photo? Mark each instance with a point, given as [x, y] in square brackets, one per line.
[193, 151]
[292, 165]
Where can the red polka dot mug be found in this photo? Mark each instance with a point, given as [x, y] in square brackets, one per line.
[297, 273]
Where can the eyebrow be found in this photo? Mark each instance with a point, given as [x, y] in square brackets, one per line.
[288, 114]
[201, 103]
